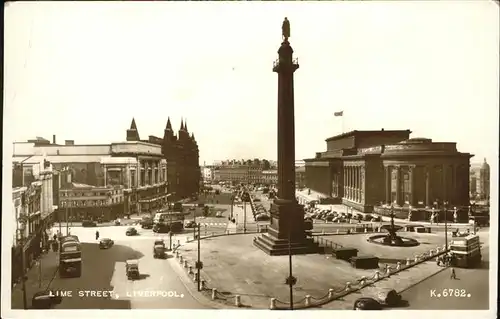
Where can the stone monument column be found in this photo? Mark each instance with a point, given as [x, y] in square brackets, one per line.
[286, 232]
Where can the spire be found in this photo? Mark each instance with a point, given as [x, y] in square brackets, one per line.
[169, 125]
[132, 125]
[192, 137]
[182, 124]
[186, 125]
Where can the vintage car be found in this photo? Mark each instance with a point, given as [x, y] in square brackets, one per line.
[159, 250]
[389, 297]
[89, 223]
[117, 222]
[105, 243]
[45, 299]
[131, 231]
[147, 222]
[190, 224]
[132, 269]
[366, 303]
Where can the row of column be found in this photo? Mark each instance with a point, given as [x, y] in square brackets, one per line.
[445, 193]
[353, 183]
[144, 167]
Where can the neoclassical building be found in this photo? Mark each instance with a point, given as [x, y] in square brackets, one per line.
[364, 169]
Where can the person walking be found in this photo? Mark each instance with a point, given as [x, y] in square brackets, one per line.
[453, 274]
[97, 235]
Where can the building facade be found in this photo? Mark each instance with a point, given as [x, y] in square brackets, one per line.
[81, 202]
[363, 169]
[269, 177]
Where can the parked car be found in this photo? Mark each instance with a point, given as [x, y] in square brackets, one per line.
[131, 231]
[262, 217]
[117, 222]
[367, 217]
[365, 303]
[190, 224]
[89, 223]
[105, 243]
[329, 218]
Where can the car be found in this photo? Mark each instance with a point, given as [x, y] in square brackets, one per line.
[131, 231]
[366, 303]
[45, 299]
[329, 218]
[147, 223]
[105, 243]
[367, 217]
[117, 222]
[389, 297]
[262, 217]
[89, 223]
[190, 224]
[218, 214]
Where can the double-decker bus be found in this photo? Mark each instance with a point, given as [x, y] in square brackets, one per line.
[166, 221]
[466, 251]
[70, 256]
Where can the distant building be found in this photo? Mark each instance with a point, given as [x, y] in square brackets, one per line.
[208, 173]
[270, 177]
[483, 185]
[363, 169]
[300, 177]
[473, 183]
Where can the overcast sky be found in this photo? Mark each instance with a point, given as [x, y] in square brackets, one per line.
[83, 70]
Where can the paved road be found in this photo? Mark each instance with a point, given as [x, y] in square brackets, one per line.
[104, 270]
[470, 281]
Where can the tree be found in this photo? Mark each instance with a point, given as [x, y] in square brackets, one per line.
[266, 165]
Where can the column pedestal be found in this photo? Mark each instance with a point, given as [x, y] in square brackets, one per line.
[287, 222]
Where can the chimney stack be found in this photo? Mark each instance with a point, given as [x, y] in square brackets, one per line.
[54, 139]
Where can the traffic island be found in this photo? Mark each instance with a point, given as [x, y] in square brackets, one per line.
[236, 274]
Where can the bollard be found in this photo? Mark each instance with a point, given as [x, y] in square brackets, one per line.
[195, 277]
[330, 293]
[388, 270]
[347, 286]
[366, 230]
[185, 263]
[176, 254]
[362, 281]
[408, 262]
[416, 259]
[213, 293]
[273, 304]
[437, 250]
[190, 270]
[237, 301]
[398, 265]
[308, 300]
[431, 252]
[180, 260]
[377, 275]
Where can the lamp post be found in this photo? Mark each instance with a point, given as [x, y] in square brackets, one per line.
[199, 264]
[290, 280]
[455, 216]
[245, 215]
[445, 204]
[22, 229]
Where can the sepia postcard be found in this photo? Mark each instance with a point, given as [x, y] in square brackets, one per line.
[214, 159]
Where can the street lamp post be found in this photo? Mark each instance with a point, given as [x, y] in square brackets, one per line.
[245, 216]
[445, 205]
[199, 264]
[290, 280]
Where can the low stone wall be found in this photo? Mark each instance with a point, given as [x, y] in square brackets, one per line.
[308, 301]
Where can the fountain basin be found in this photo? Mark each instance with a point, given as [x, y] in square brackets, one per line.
[395, 241]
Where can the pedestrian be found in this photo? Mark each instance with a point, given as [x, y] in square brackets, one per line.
[453, 275]
[96, 235]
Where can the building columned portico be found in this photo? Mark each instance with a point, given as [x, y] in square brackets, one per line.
[142, 170]
[363, 169]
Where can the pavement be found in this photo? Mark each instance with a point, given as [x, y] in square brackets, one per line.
[103, 271]
[471, 286]
[242, 269]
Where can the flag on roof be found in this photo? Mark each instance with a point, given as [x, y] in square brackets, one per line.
[341, 113]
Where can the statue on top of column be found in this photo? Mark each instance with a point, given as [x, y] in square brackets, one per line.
[285, 28]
